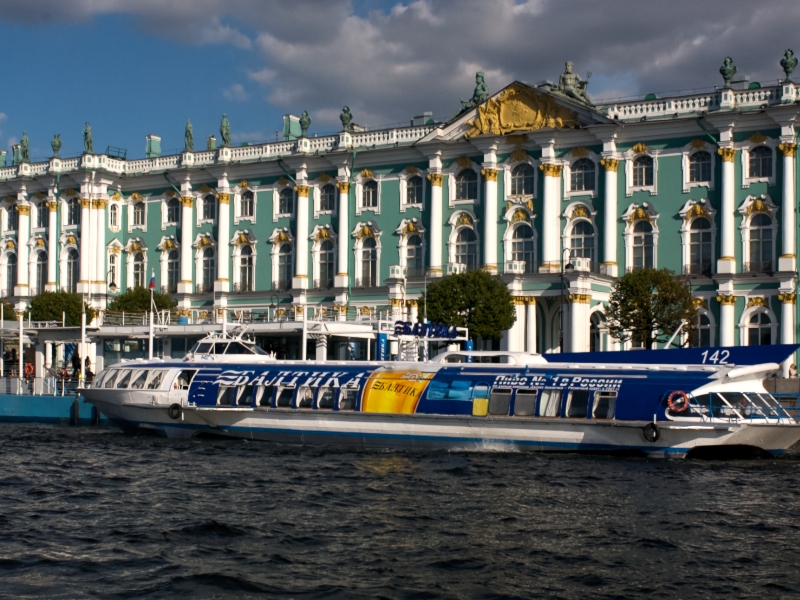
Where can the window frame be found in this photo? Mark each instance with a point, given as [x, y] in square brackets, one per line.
[630, 158]
[746, 150]
[569, 171]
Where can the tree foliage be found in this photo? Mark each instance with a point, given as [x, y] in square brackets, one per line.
[138, 299]
[9, 314]
[50, 306]
[475, 300]
[649, 305]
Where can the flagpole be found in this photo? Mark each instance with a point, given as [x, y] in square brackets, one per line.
[152, 303]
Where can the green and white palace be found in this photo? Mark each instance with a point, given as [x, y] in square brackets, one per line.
[556, 195]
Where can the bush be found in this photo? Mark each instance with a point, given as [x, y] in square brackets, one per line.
[50, 306]
[138, 299]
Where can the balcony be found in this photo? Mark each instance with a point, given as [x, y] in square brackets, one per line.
[281, 286]
[397, 272]
[763, 267]
[456, 269]
[698, 269]
[365, 283]
[414, 272]
[323, 284]
[515, 267]
[243, 287]
[633, 268]
[169, 289]
[204, 289]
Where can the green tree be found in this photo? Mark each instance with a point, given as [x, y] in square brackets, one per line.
[9, 314]
[138, 299]
[475, 300]
[50, 306]
[649, 305]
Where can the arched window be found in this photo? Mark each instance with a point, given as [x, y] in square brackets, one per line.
[369, 263]
[522, 180]
[246, 269]
[467, 248]
[760, 245]
[642, 246]
[701, 335]
[112, 270]
[467, 185]
[11, 274]
[138, 270]
[700, 166]
[581, 240]
[73, 270]
[759, 330]
[73, 212]
[325, 265]
[41, 214]
[596, 332]
[284, 275]
[13, 218]
[138, 214]
[522, 246]
[414, 190]
[173, 271]
[113, 215]
[643, 171]
[582, 175]
[285, 199]
[247, 205]
[414, 264]
[700, 247]
[208, 268]
[41, 273]
[209, 208]
[369, 194]
[327, 197]
[760, 162]
[173, 210]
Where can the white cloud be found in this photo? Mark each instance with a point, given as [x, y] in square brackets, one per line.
[235, 92]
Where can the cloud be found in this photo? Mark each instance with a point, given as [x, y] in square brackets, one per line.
[235, 93]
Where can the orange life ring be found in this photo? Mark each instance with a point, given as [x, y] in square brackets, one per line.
[29, 369]
[683, 406]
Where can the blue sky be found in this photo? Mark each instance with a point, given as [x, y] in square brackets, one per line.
[133, 67]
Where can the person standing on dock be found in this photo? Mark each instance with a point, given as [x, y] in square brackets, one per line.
[76, 364]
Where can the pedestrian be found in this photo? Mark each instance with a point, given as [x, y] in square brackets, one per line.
[76, 364]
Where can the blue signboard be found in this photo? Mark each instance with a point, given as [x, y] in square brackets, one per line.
[383, 347]
[469, 345]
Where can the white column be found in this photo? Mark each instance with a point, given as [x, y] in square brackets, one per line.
[23, 234]
[726, 323]
[435, 245]
[321, 348]
[413, 311]
[222, 284]
[551, 232]
[787, 317]
[85, 278]
[579, 322]
[100, 246]
[91, 231]
[787, 260]
[185, 285]
[530, 326]
[727, 262]
[300, 280]
[610, 217]
[490, 220]
[343, 241]
[516, 338]
[52, 245]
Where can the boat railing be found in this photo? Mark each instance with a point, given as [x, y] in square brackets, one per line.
[39, 386]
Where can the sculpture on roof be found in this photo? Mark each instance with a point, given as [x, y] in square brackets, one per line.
[188, 137]
[788, 62]
[88, 144]
[479, 95]
[347, 119]
[571, 85]
[24, 147]
[305, 123]
[56, 144]
[727, 70]
[225, 131]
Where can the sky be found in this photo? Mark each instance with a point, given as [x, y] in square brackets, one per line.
[138, 67]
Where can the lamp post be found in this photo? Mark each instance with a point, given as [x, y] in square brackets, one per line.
[566, 268]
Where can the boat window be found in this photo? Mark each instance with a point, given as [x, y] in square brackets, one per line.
[264, 397]
[225, 395]
[499, 401]
[123, 378]
[347, 401]
[245, 395]
[305, 397]
[202, 348]
[480, 400]
[325, 401]
[236, 348]
[138, 380]
[578, 404]
[284, 397]
[98, 381]
[184, 379]
[156, 379]
[525, 403]
[458, 389]
[550, 405]
[110, 378]
[604, 405]
[712, 406]
[219, 347]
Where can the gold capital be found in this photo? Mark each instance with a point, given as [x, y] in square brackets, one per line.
[343, 186]
[610, 164]
[435, 179]
[787, 297]
[489, 174]
[580, 298]
[726, 154]
[53, 206]
[550, 170]
[85, 203]
[726, 299]
[23, 209]
[187, 201]
[224, 198]
[788, 150]
[302, 191]
[99, 204]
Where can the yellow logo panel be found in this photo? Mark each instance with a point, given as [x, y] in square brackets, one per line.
[394, 392]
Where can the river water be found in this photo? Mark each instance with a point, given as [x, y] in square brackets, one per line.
[90, 512]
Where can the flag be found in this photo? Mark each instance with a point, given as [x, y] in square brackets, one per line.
[152, 285]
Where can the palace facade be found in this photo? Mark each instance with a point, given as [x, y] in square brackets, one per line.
[555, 195]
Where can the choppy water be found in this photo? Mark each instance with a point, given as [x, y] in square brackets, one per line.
[93, 513]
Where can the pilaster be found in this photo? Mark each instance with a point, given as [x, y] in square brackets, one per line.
[343, 243]
[610, 165]
[222, 283]
[300, 279]
[787, 260]
[490, 219]
[727, 326]
[23, 235]
[530, 325]
[437, 228]
[579, 322]
[85, 277]
[551, 231]
[727, 261]
[52, 243]
[187, 200]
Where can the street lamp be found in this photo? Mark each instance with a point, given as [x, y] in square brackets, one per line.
[565, 269]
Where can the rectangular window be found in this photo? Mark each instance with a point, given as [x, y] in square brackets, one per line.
[499, 401]
[604, 405]
[138, 380]
[284, 399]
[525, 403]
[480, 400]
[265, 397]
[156, 377]
[305, 397]
[225, 395]
[245, 395]
[578, 404]
[550, 405]
[347, 399]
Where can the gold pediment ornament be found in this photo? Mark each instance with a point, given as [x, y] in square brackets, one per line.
[464, 219]
[579, 212]
[135, 247]
[697, 210]
[580, 152]
[699, 303]
[39, 195]
[136, 196]
[519, 215]
[758, 205]
[323, 234]
[412, 170]
[115, 249]
[639, 214]
[367, 174]
[519, 108]
[242, 239]
[324, 178]
[39, 242]
[116, 196]
[10, 245]
[205, 189]
[70, 192]
[365, 310]
[757, 301]
[71, 240]
[410, 228]
[698, 143]
[283, 182]
[366, 231]
[758, 138]
[639, 148]
[169, 245]
[171, 193]
[10, 198]
[203, 242]
[243, 185]
[464, 162]
[281, 238]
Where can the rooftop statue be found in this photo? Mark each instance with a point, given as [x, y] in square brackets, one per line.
[24, 147]
[479, 96]
[571, 85]
[788, 62]
[305, 123]
[225, 131]
[56, 144]
[88, 144]
[728, 70]
[188, 137]
[347, 119]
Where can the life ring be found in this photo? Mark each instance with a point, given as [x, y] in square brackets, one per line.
[28, 369]
[174, 411]
[651, 432]
[682, 406]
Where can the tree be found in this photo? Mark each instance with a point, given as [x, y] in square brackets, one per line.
[50, 306]
[649, 305]
[138, 299]
[475, 300]
[9, 313]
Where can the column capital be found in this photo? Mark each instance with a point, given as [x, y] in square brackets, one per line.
[224, 197]
[580, 298]
[726, 299]
[550, 170]
[489, 174]
[727, 154]
[436, 179]
[302, 190]
[788, 149]
[52, 205]
[99, 204]
[787, 297]
[23, 209]
[342, 186]
[610, 164]
[85, 202]
[187, 201]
